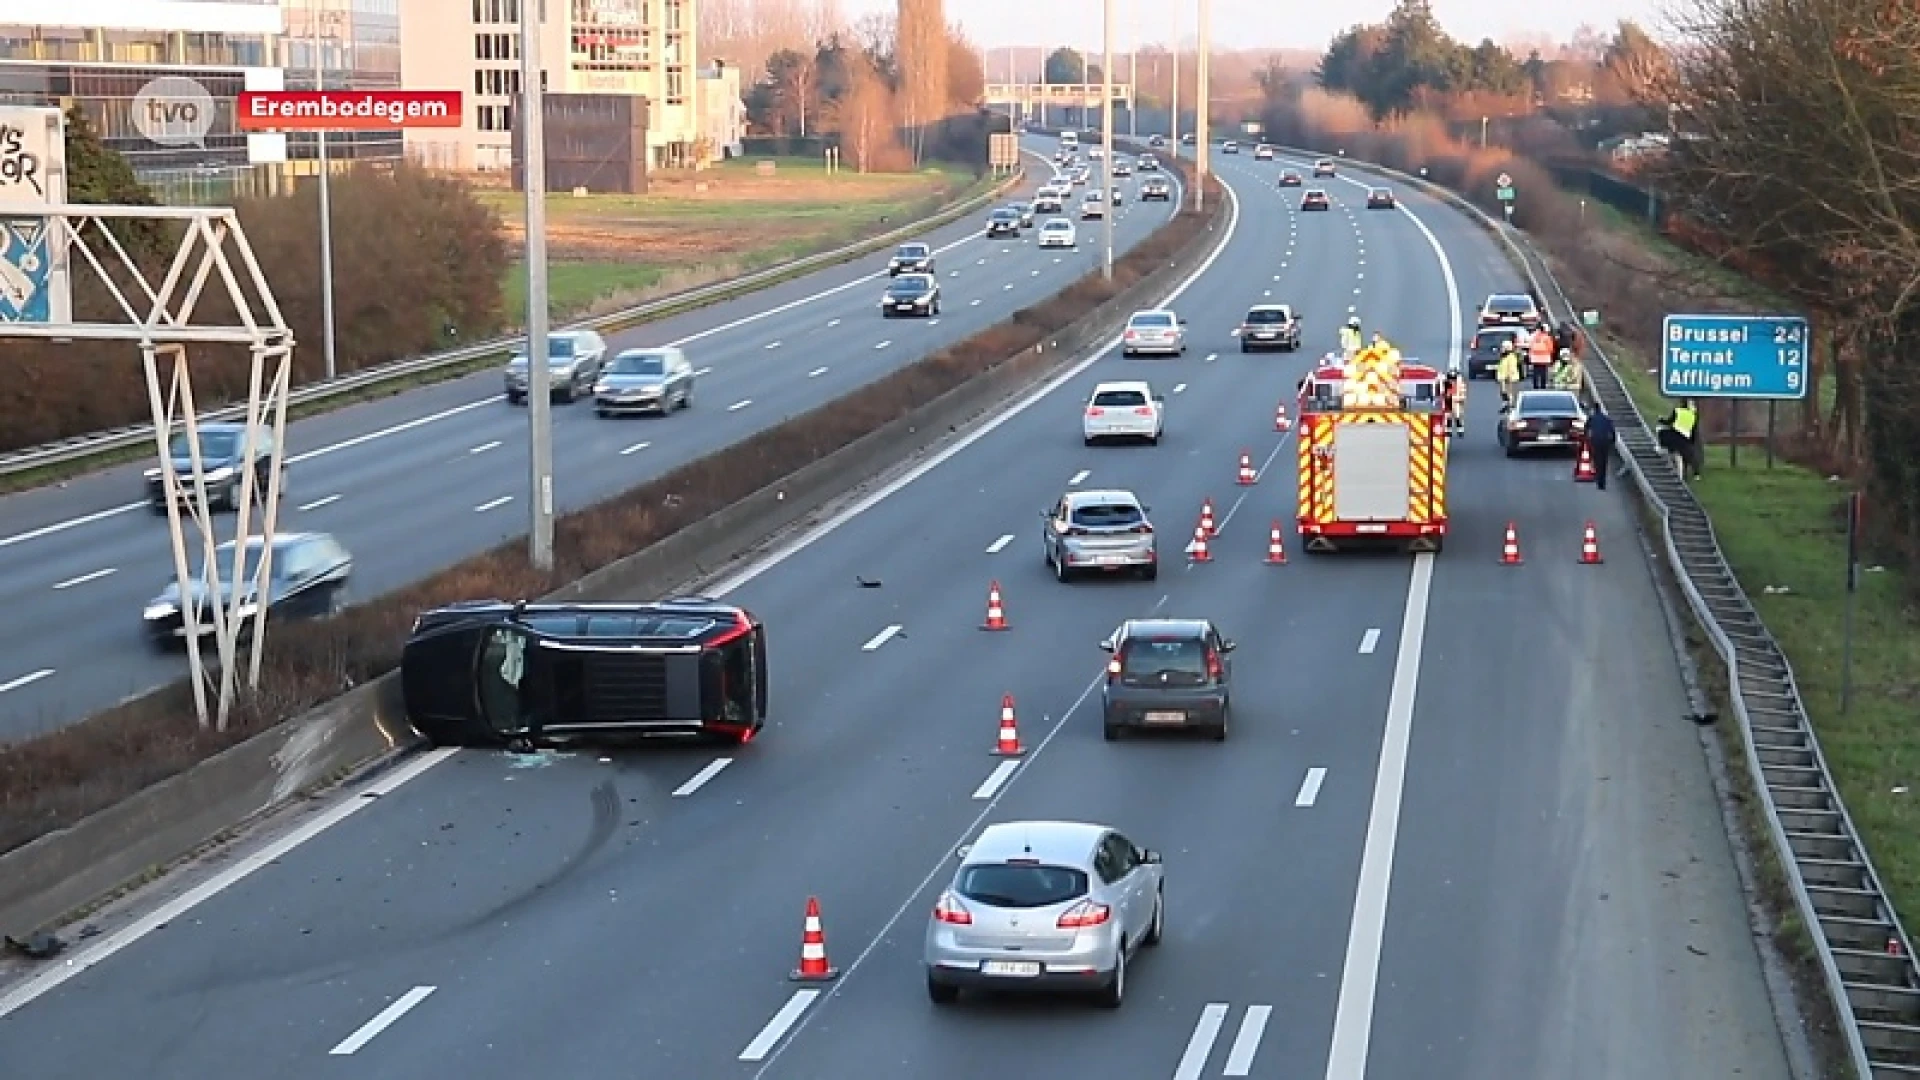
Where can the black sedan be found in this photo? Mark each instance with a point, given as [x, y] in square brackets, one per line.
[1316, 200]
[306, 578]
[1543, 420]
[1292, 179]
[1483, 354]
[1380, 199]
[1004, 222]
[911, 294]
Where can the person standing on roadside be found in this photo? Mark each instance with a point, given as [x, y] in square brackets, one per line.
[1601, 438]
[1679, 436]
[1540, 356]
[1507, 372]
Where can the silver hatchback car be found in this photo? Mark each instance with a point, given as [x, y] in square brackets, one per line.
[1056, 906]
[1099, 532]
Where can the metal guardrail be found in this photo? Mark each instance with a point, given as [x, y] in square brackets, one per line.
[1865, 954]
[83, 447]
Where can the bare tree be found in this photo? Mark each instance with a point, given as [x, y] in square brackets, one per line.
[865, 113]
[966, 72]
[920, 50]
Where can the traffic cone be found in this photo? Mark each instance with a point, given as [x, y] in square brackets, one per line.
[1276, 552]
[1280, 421]
[1510, 550]
[1583, 471]
[1247, 476]
[1009, 742]
[1206, 518]
[996, 615]
[1590, 547]
[1197, 551]
[1894, 948]
[813, 948]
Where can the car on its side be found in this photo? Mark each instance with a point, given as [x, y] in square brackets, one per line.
[224, 459]
[657, 380]
[1323, 167]
[1167, 675]
[1263, 152]
[1542, 420]
[911, 294]
[1380, 199]
[1157, 331]
[1003, 222]
[1156, 189]
[1059, 233]
[573, 365]
[1483, 351]
[1269, 326]
[1045, 906]
[1290, 178]
[1510, 309]
[911, 259]
[1316, 199]
[1103, 532]
[306, 578]
[1124, 410]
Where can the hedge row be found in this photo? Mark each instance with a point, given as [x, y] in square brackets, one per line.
[56, 779]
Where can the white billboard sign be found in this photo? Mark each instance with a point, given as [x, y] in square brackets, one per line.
[33, 248]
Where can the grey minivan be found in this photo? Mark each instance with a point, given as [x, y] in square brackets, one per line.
[645, 380]
[574, 358]
[1167, 674]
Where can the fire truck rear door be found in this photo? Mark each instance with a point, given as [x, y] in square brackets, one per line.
[1371, 466]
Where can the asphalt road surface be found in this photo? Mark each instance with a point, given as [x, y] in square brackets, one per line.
[1459, 831]
[416, 482]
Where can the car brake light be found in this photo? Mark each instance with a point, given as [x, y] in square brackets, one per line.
[1144, 410]
[1096, 411]
[1084, 914]
[1133, 333]
[1113, 669]
[1213, 665]
[950, 910]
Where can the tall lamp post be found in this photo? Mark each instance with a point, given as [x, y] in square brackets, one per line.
[1173, 109]
[321, 15]
[1202, 77]
[1106, 144]
[533, 173]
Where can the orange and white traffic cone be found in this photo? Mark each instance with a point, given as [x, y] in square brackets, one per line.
[1590, 547]
[1280, 421]
[996, 615]
[1583, 470]
[813, 948]
[1008, 744]
[1247, 476]
[1197, 551]
[1206, 518]
[1510, 549]
[1276, 551]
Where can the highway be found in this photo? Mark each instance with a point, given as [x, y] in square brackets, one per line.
[418, 481]
[1460, 829]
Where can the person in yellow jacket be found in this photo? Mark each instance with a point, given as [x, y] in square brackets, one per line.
[1566, 374]
[1506, 372]
[1350, 339]
[1680, 437]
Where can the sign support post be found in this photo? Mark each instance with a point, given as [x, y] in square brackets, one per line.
[1503, 190]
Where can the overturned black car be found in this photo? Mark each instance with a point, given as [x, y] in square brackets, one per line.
[486, 673]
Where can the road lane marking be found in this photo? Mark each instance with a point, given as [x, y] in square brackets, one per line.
[84, 578]
[699, 780]
[1253, 1027]
[1079, 476]
[1180, 388]
[1310, 787]
[999, 545]
[382, 1022]
[773, 345]
[634, 449]
[974, 303]
[318, 503]
[484, 447]
[1008, 287]
[741, 404]
[884, 344]
[494, 504]
[777, 1027]
[816, 373]
[831, 323]
[702, 372]
[1369, 641]
[24, 680]
[1227, 518]
[1211, 357]
[1035, 273]
[996, 780]
[1266, 292]
[1200, 1047]
[873, 643]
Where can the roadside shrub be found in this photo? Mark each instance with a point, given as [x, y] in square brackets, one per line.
[55, 780]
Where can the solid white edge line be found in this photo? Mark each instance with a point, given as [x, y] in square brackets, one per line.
[1206, 1032]
[741, 404]
[381, 1022]
[816, 373]
[84, 578]
[635, 448]
[1000, 545]
[493, 504]
[1246, 1044]
[1370, 640]
[28, 679]
[778, 1027]
[1310, 787]
[699, 780]
[995, 780]
[873, 643]
[101, 949]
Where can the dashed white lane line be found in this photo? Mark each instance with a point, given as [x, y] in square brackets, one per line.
[28, 679]
[1246, 1044]
[873, 643]
[318, 503]
[1008, 287]
[982, 262]
[1034, 273]
[816, 373]
[778, 1027]
[741, 404]
[831, 323]
[493, 504]
[1211, 357]
[1000, 545]
[884, 344]
[702, 372]
[1079, 476]
[974, 303]
[382, 1022]
[935, 321]
[1200, 1047]
[699, 780]
[84, 578]
[1310, 787]
[1370, 640]
[1180, 388]
[634, 449]
[996, 780]
[773, 345]
[484, 447]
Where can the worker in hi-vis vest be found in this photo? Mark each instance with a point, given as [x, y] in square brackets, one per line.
[1679, 436]
[1506, 372]
[1350, 339]
[1540, 357]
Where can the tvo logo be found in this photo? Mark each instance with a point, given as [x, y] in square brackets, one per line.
[173, 111]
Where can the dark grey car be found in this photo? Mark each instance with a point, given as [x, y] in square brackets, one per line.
[1003, 222]
[223, 456]
[1167, 674]
[307, 579]
[656, 380]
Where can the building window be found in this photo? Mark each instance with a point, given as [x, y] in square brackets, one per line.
[479, 81]
[479, 11]
[675, 21]
[676, 86]
[496, 47]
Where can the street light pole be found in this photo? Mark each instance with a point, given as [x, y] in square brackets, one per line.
[1173, 110]
[1204, 91]
[326, 204]
[1108, 205]
[533, 171]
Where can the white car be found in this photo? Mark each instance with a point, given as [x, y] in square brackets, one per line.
[1096, 153]
[1093, 206]
[1229, 147]
[1158, 331]
[1124, 410]
[1049, 200]
[1058, 232]
[1263, 152]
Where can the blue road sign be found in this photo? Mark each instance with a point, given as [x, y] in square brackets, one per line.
[1734, 356]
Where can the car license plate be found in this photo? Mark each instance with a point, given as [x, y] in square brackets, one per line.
[1022, 968]
[1264, 335]
[1553, 438]
[904, 307]
[1165, 718]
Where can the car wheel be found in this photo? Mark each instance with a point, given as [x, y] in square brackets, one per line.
[941, 993]
[1245, 348]
[1151, 573]
[1158, 927]
[1219, 732]
[602, 413]
[515, 399]
[567, 395]
[1115, 992]
[1060, 571]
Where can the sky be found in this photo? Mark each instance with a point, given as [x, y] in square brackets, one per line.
[1254, 23]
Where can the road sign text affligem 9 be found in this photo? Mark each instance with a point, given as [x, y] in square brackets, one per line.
[346, 110]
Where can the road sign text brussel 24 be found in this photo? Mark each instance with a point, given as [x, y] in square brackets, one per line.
[1734, 356]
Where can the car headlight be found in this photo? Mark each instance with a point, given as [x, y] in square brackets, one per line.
[157, 611]
[601, 388]
[219, 475]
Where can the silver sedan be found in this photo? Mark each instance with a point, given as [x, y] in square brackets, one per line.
[1154, 332]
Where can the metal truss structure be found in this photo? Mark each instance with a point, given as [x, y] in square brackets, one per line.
[160, 320]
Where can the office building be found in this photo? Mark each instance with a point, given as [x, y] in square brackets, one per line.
[640, 48]
[723, 112]
[357, 46]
